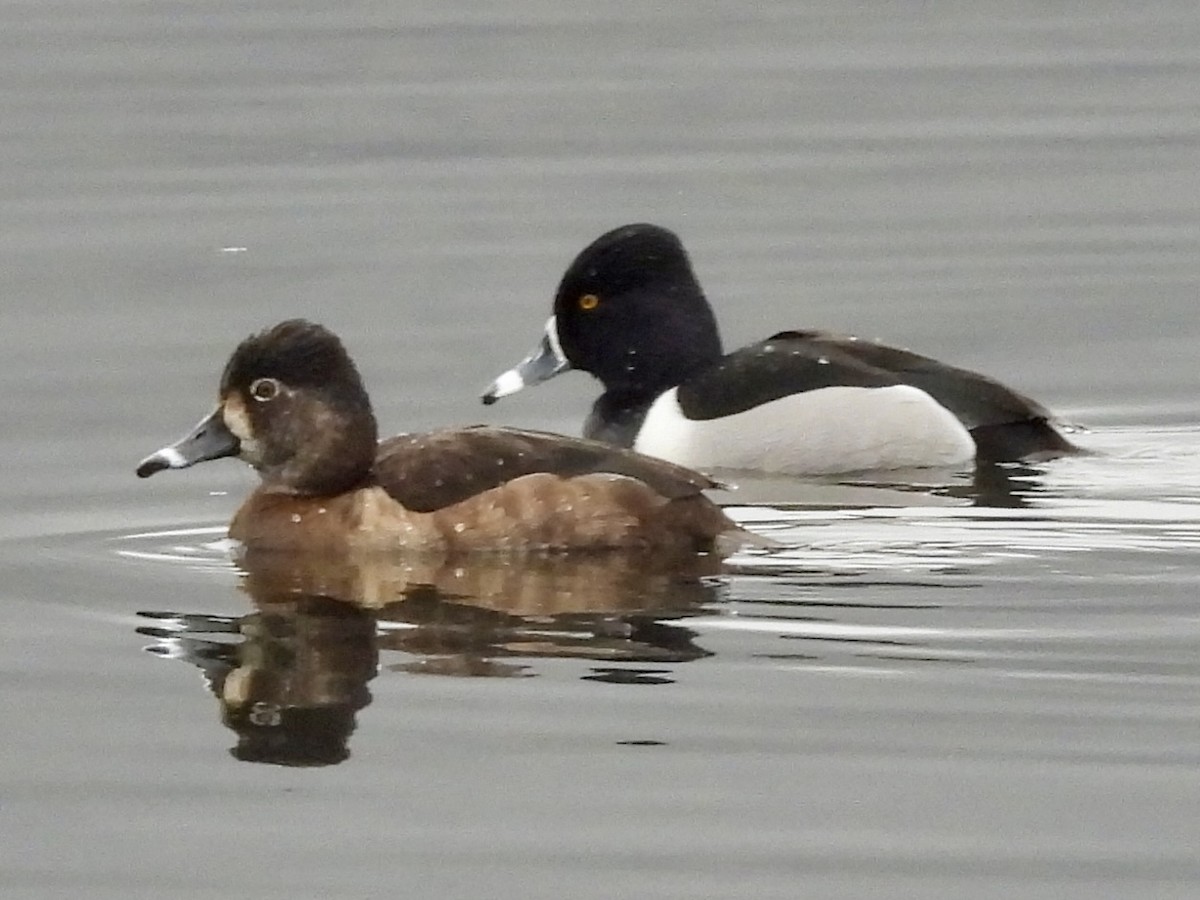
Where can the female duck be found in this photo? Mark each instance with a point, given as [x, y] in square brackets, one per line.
[292, 404]
[630, 311]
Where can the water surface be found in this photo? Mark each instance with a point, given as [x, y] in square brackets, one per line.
[941, 685]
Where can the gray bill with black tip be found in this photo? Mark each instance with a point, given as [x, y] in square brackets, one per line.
[210, 439]
[546, 361]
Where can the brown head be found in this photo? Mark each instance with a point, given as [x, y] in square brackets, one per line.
[292, 405]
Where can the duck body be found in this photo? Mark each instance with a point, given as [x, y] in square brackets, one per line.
[415, 503]
[631, 312]
[292, 404]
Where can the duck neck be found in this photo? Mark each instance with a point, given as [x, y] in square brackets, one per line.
[660, 353]
[338, 455]
[616, 418]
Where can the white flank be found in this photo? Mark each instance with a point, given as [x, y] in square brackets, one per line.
[835, 429]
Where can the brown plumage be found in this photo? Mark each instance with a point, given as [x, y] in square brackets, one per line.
[292, 405]
[520, 586]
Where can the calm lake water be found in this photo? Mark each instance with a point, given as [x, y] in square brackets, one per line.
[939, 686]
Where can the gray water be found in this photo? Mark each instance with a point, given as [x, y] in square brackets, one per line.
[936, 688]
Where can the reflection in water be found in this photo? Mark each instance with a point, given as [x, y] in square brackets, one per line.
[1007, 485]
[291, 687]
[1002, 485]
[630, 676]
[292, 675]
[997, 485]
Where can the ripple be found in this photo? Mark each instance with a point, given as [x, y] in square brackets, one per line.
[951, 540]
[163, 547]
[1086, 580]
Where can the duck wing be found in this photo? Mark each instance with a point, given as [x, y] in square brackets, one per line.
[1005, 424]
[789, 363]
[430, 471]
[974, 398]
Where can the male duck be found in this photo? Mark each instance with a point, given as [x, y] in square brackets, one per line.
[630, 311]
[292, 404]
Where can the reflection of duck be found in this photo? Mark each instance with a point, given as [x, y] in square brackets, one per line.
[292, 686]
[292, 404]
[538, 585]
[999, 485]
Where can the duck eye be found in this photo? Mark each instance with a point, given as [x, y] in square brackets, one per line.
[264, 389]
[589, 302]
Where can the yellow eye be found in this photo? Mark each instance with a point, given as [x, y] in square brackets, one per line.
[589, 301]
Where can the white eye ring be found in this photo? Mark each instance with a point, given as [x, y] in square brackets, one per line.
[264, 389]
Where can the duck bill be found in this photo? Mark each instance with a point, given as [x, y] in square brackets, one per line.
[211, 439]
[546, 361]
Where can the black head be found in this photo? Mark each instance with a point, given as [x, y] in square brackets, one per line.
[293, 405]
[630, 311]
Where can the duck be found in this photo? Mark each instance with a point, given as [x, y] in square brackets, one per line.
[630, 312]
[293, 405]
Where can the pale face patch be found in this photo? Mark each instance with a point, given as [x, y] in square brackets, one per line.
[237, 420]
[826, 431]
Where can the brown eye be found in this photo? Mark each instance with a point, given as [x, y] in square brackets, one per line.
[264, 389]
[589, 301]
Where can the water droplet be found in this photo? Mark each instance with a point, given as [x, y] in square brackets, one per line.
[769, 348]
[296, 518]
[500, 461]
[321, 511]
[439, 482]
[460, 527]
[822, 361]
